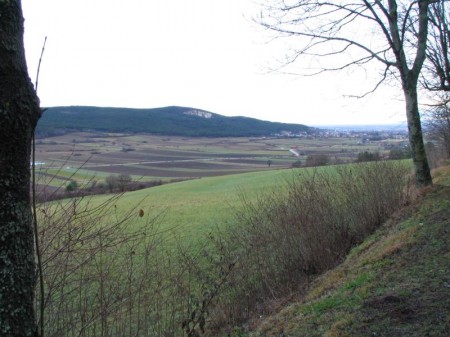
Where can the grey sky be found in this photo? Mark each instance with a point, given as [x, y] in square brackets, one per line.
[206, 54]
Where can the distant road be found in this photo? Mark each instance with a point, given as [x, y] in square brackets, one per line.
[91, 165]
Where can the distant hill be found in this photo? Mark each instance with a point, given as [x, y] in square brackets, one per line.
[173, 120]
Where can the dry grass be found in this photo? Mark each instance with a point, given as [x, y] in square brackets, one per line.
[394, 284]
[441, 175]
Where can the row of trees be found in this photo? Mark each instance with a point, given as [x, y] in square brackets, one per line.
[410, 40]
[315, 160]
[112, 183]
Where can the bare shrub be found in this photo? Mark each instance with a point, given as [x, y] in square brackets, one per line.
[437, 125]
[110, 273]
[305, 227]
[83, 247]
[317, 160]
[368, 156]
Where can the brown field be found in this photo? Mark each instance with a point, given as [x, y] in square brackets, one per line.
[80, 155]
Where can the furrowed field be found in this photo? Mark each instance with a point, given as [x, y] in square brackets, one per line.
[80, 156]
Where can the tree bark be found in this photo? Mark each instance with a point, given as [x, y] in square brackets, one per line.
[421, 167]
[19, 113]
[409, 79]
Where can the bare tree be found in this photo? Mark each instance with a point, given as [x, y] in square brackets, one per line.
[19, 113]
[341, 34]
[123, 181]
[437, 65]
[437, 122]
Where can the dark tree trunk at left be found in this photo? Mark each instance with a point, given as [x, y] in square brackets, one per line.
[19, 113]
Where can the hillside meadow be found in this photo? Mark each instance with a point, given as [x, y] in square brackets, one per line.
[195, 207]
[395, 283]
[99, 250]
[173, 259]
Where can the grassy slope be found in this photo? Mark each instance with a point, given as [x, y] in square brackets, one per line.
[196, 207]
[397, 283]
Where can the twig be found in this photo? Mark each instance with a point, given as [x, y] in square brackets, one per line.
[35, 224]
[39, 64]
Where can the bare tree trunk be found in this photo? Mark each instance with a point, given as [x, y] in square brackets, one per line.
[19, 112]
[409, 79]
[421, 167]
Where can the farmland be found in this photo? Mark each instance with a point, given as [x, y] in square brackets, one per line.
[168, 242]
[84, 155]
[226, 166]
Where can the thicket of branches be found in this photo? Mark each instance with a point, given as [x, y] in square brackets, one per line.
[283, 239]
[436, 80]
[437, 124]
[436, 72]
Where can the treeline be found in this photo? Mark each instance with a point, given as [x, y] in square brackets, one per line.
[177, 121]
[321, 159]
[119, 183]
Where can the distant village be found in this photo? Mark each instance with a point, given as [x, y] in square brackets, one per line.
[366, 135]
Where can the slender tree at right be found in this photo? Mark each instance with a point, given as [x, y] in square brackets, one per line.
[342, 34]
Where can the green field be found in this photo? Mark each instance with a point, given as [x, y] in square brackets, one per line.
[143, 256]
[195, 207]
[192, 208]
[185, 213]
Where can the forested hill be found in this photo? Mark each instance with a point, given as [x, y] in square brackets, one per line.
[173, 120]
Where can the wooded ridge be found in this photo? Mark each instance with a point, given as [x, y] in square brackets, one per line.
[172, 120]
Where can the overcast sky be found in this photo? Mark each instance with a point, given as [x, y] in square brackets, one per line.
[207, 54]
